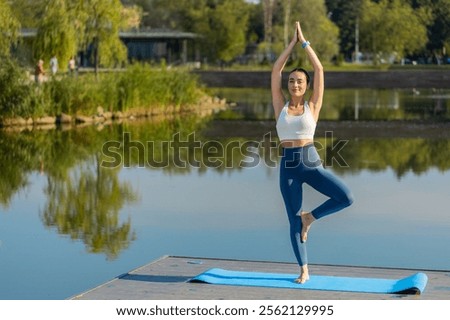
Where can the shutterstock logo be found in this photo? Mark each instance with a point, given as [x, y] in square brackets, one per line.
[188, 151]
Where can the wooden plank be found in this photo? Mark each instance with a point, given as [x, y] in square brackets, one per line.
[167, 279]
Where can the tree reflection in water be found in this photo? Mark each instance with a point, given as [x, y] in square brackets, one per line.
[402, 155]
[85, 201]
[86, 206]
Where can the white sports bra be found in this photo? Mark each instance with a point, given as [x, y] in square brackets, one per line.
[290, 127]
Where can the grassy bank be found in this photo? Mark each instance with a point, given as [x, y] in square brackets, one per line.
[139, 87]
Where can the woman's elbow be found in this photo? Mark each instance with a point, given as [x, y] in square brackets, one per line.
[318, 68]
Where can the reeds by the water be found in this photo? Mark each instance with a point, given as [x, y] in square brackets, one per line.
[137, 87]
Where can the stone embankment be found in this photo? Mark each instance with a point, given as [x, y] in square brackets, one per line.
[206, 106]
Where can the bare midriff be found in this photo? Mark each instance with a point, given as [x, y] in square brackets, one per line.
[296, 143]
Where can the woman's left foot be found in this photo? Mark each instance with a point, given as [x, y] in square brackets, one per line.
[307, 220]
[302, 278]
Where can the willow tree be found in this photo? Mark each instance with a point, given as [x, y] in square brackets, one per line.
[9, 28]
[55, 32]
[101, 21]
[28, 12]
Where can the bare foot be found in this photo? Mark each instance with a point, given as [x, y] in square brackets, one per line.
[304, 276]
[307, 220]
[302, 279]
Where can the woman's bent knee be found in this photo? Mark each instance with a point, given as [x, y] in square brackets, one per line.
[348, 199]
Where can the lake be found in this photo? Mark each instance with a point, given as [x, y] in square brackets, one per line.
[79, 207]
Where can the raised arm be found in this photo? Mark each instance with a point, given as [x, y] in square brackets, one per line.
[278, 100]
[316, 99]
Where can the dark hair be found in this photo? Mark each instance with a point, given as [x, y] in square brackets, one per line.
[304, 71]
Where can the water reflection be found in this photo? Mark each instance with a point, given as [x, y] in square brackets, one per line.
[86, 204]
[207, 200]
[84, 195]
[349, 104]
[398, 154]
[85, 198]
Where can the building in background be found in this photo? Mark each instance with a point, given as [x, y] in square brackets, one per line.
[174, 47]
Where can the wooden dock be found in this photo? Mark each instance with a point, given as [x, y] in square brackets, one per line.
[167, 279]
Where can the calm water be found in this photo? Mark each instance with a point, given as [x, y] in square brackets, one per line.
[350, 104]
[69, 223]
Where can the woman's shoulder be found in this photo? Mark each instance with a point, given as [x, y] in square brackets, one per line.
[306, 104]
[285, 106]
[309, 106]
[281, 111]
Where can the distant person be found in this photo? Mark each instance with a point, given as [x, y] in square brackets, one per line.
[54, 65]
[300, 162]
[39, 71]
[72, 65]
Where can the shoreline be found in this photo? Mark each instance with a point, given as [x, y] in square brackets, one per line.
[390, 79]
[206, 106]
[342, 129]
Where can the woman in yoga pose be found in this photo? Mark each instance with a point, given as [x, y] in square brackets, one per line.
[300, 162]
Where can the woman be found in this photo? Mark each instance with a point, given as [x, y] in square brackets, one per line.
[300, 162]
[39, 71]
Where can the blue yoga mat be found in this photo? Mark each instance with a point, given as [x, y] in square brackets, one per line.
[414, 284]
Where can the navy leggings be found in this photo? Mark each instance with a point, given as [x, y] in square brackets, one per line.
[302, 165]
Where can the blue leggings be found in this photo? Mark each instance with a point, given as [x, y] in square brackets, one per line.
[302, 165]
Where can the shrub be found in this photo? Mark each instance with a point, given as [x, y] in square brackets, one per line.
[15, 90]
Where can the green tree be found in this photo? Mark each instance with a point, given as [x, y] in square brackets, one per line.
[222, 24]
[227, 30]
[392, 27]
[9, 28]
[56, 33]
[268, 10]
[99, 24]
[161, 14]
[319, 29]
[28, 12]
[439, 28]
[345, 14]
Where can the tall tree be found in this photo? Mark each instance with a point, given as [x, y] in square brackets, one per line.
[439, 28]
[28, 12]
[100, 22]
[287, 20]
[268, 7]
[9, 28]
[345, 14]
[319, 29]
[164, 14]
[227, 30]
[56, 33]
[392, 27]
[222, 24]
